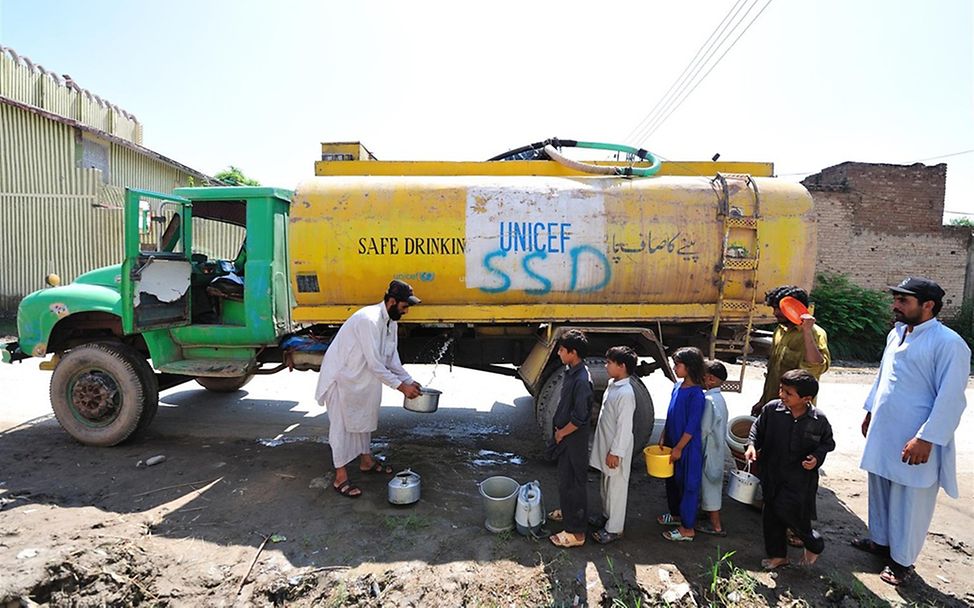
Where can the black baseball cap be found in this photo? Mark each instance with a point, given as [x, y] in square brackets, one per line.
[402, 292]
[922, 289]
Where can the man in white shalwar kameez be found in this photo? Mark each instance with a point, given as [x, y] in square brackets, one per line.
[360, 359]
[612, 448]
[912, 411]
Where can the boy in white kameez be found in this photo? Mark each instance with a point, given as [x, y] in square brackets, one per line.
[912, 412]
[612, 448]
[713, 428]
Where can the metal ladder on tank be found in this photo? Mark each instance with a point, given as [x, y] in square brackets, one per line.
[737, 280]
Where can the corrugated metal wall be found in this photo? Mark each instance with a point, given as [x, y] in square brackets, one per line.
[56, 215]
[24, 81]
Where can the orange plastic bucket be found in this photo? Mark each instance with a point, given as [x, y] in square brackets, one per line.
[658, 461]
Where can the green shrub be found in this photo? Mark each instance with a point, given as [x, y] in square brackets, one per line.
[963, 323]
[857, 319]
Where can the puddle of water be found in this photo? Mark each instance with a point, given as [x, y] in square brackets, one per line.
[458, 431]
[487, 458]
[279, 441]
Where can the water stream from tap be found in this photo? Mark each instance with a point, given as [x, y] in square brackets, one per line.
[436, 359]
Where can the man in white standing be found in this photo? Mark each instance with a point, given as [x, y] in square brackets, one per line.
[362, 357]
[912, 412]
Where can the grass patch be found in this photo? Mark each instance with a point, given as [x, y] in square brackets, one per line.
[729, 585]
[408, 522]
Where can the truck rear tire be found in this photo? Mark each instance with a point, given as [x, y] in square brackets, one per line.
[224, 385]
[547, 402]
[99, 393]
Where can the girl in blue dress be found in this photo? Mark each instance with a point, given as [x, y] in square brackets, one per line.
[682, 434]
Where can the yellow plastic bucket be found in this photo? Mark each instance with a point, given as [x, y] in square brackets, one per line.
[658, 461]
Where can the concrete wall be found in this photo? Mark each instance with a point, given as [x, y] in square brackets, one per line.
[879, 223]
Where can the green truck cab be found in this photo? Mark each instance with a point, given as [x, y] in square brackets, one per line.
[185, 312]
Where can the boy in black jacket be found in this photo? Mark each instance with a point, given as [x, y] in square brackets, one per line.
[791, 437]
[571, 431]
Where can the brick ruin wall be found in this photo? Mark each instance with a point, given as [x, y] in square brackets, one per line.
[880, 223]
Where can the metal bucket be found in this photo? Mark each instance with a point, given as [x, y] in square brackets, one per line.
[425, 403]
[743, 487]
[500, 501]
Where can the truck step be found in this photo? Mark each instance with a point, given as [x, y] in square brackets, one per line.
[212, 368]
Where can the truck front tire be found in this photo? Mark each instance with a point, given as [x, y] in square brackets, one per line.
[101, 393]
[224, 385]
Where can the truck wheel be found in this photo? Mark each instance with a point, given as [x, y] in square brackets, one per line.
[150, 403]
[99, 394]
[547, 402]
[224, 385]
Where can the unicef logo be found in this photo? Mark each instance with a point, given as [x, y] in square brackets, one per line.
[426, 276]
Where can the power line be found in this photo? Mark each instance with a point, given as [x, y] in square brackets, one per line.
[720, 27]
[944, 156]
[724, 35]
[704, 77]
[922, 160]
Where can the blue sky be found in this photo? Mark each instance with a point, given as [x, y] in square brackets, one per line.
[257, 85]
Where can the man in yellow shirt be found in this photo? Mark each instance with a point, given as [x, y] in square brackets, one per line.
[804, 346]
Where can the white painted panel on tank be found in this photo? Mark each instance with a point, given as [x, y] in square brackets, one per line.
[535, 240]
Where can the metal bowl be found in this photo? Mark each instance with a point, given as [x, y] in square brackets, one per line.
[425, 403]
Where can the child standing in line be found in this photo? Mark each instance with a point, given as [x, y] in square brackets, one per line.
[612, 449]
[791, 437]
[571, 430]
[682, 434]
[713, 431]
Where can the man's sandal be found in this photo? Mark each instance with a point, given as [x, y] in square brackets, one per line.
[347, 490]
[895, 574]
[556, 515]
[379, 467]
[566, 540]
[867, 545]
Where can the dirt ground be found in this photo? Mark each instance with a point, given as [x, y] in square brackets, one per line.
[246, 518]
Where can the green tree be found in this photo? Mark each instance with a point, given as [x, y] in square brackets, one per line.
[233, 176]
[961, 221]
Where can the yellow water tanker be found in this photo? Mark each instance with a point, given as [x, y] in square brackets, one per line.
[540, 248]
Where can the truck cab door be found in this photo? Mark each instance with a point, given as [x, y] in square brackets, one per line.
[155, 281]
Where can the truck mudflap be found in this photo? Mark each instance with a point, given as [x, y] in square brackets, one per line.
[10, 352]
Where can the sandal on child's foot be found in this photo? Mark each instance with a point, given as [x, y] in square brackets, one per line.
[604, 537]
[774, 563]
[708, 528]
[666, 519]
[676, 536]
[808, 558]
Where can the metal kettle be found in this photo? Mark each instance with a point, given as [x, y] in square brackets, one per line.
[404, 488]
